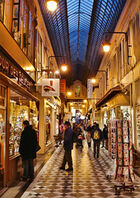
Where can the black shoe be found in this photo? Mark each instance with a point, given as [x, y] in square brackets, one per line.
[31, 179]
[62, 168]
[69, 169]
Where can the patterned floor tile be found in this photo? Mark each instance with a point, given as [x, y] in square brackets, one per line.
[89, 178]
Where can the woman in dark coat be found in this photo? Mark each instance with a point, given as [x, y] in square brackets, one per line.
[27, 149]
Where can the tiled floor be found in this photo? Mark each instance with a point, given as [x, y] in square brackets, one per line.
[87, 180]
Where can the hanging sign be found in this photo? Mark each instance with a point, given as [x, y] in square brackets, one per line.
[62, 86]
[51, 87]
[89, 89]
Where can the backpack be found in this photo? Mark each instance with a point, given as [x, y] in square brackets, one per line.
[96, 135]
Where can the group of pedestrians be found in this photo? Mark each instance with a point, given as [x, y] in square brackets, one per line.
[29, 143]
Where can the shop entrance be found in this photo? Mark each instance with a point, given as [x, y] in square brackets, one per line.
[2, 133]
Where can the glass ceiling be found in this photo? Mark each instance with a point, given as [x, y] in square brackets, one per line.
[76, 30]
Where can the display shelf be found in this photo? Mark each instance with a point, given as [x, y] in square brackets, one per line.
[124, 159]
[138, 126]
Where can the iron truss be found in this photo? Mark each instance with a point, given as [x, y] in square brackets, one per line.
[76, 31]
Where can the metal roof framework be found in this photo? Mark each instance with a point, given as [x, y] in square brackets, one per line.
[76, 30]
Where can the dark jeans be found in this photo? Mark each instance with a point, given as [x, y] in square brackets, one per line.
[67, 158]
[103, 142]
[96, 148]
[89, 144]
[28, 168]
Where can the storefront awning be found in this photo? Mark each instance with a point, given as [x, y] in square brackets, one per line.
[110, 94]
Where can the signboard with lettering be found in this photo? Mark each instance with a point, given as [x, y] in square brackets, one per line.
[62, 86]
[89, 89]
[15, 72]
[50, 87]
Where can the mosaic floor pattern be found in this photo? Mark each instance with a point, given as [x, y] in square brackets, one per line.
[88, 179]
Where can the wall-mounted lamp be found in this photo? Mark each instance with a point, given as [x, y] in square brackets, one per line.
[57, 72]
[107, 45]
[93, 80]
[85, 101]
[51, 5]
[69, 93]
[64, 68]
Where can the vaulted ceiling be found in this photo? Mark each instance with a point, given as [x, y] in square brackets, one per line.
[76, 31]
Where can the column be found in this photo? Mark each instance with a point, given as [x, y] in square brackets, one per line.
[53, 124]
[42, 126]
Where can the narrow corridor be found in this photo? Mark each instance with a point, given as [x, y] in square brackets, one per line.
[87, 180]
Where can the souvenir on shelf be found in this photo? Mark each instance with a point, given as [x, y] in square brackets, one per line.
[112, 139]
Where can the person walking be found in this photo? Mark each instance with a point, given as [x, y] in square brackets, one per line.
[105, 135]
[88, 134]
[97, 137]
[68, 146]
[27, 149]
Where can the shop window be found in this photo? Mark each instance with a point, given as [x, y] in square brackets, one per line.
[15, 20]
[2, 2]
[20, 109]
[2, 132]
[30, 38]
[25, 29]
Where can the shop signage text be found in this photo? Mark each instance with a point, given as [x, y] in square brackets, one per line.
[10, 70]
[89, 89]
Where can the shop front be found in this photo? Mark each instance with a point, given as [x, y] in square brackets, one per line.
[114, 105]
[17, 103]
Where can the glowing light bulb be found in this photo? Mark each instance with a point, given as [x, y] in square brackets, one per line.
[64, 68]
[93, 80]
[51, 5]
[106, 48]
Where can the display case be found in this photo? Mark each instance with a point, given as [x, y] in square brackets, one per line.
[33, 114]
[2, 132]
[18, 113]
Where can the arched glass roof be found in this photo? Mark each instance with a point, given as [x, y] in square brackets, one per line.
[76, 30]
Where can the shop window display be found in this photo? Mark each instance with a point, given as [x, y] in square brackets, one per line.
[2, 132]
[33, 115]
[18, 113]
[21, 109]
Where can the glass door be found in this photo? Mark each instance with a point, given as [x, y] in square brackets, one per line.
[2, 133]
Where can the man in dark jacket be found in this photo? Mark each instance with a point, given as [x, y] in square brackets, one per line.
[68, 146]
[27, 149]
[97, 137]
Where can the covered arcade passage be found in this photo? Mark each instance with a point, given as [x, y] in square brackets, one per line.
[89, 178]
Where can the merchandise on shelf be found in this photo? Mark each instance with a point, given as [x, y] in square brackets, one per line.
[112, 139]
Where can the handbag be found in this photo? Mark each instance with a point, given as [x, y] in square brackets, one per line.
[38, 148]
